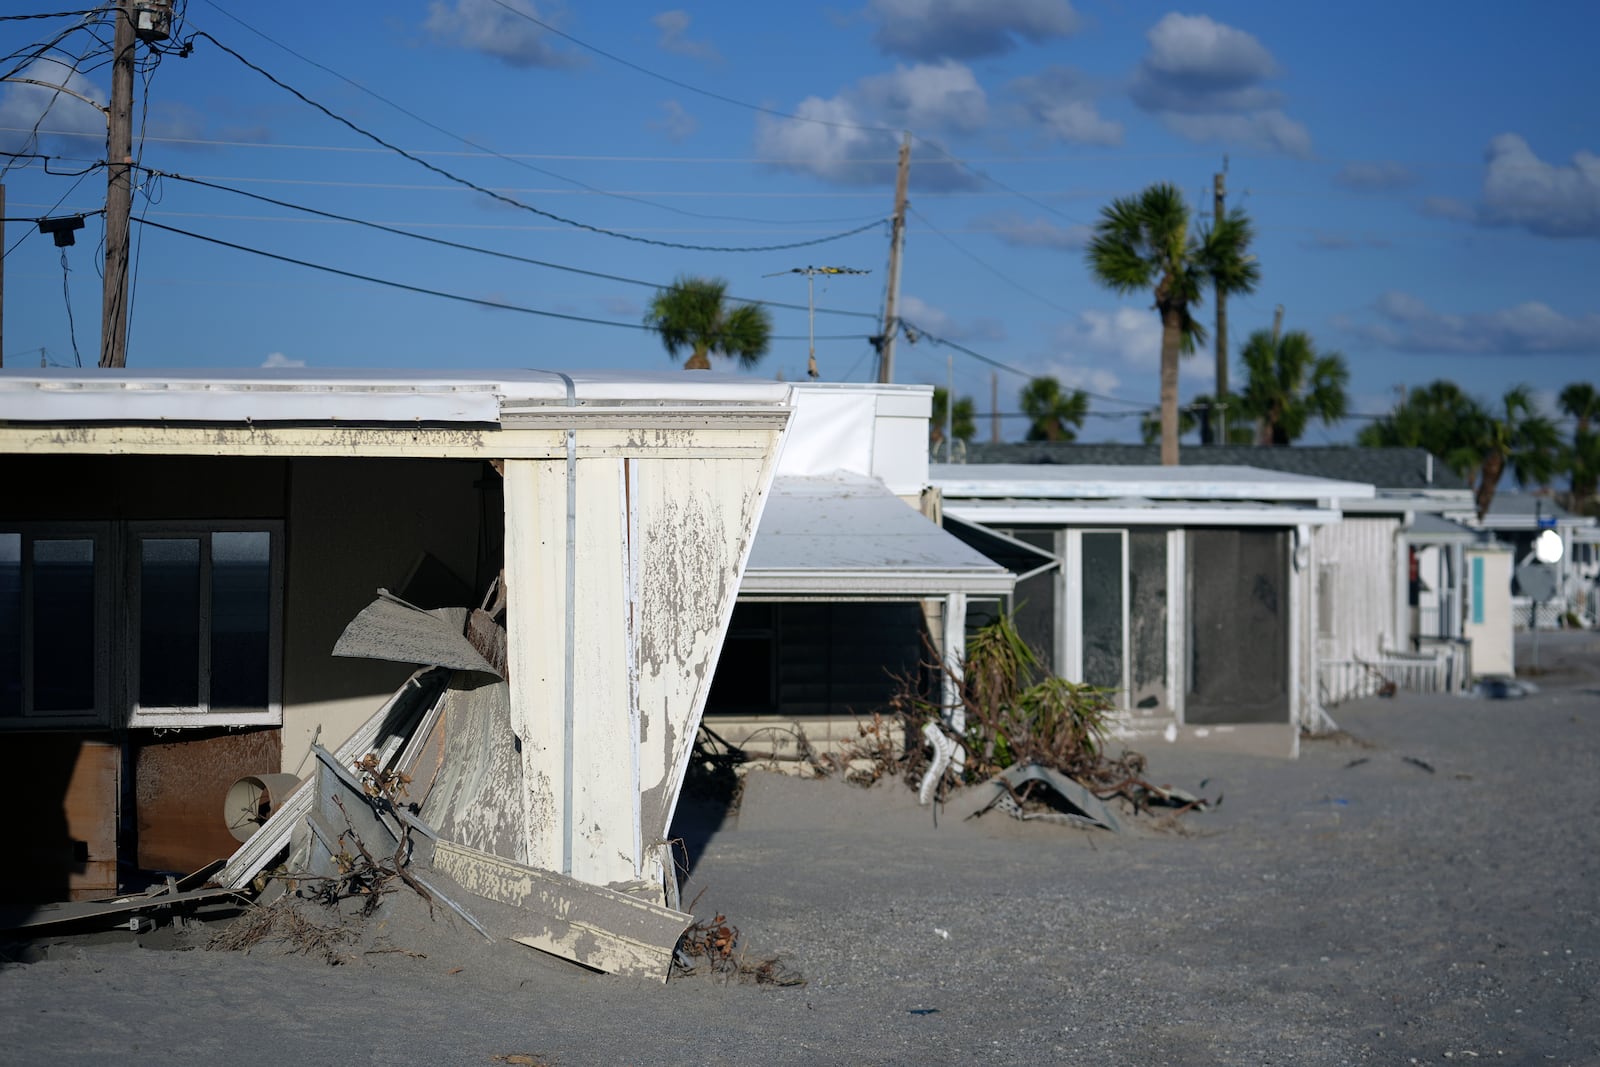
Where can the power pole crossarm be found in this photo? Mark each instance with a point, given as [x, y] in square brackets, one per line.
[119, 192]
[897, 240]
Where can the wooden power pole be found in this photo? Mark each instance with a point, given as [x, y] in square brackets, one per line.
[897, 240]
[1219, 410]
[119, 192]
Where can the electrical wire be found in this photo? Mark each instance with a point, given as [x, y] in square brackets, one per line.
[423, 290]
[986, 265]
[50, 15]
[66, 292]
[44, 112]
[922, 334]
[774, 112]
[482, 149]
[511, 200]
[480, 250]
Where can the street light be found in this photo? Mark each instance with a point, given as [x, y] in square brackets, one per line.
[811, 305]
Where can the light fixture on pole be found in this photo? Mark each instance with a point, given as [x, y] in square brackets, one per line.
[811, 306]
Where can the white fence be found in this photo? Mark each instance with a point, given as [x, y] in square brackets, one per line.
[1443, 670]
[1551, 613]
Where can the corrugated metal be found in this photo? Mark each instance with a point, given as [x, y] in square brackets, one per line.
[848, 535]
[1355, 590]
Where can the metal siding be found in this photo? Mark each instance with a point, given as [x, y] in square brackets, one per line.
[1360, 554]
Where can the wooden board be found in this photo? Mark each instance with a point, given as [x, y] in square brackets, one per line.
[180, 783]
[66, 846]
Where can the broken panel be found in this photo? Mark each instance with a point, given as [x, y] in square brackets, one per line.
[1102, 609]
[1147, 620]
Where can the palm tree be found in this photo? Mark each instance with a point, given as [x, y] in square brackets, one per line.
[1053, 415]
[1479, 444]
[1150, 423]
[1431, 417]
[963, 420]
[692, 314]
[1519, 438]
[1144, 242]
[1288, 382]
[1582, 401]
[1203, 407]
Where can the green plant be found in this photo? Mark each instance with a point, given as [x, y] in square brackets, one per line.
[1016, 712]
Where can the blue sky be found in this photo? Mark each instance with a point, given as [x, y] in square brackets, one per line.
[1423, 177]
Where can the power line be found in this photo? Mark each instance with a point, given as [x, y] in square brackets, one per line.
[425, 291]
[991, 268]
[475, 248]
[981, 358]
[483, 149]
[511, 200]
[49, 15]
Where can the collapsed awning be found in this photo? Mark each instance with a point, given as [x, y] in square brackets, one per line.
[1438, 530]
[1017, 556]
[847, 537]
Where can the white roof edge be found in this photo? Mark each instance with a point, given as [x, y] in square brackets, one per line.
[319, 395]
[1050, 482]
[864, 582]
[1150, 513]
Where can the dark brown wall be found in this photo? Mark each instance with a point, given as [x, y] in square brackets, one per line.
[180, 782]
[59, 792]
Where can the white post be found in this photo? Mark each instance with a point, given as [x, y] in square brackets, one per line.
[955, 654]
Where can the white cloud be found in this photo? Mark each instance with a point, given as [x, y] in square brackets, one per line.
[1375, 176]
[278, 359]
[674, 27]
[1520, 189]
[1406, 323]
[835, 146]
[675, 122]
[1022, 232]
[923, 316]
[966, 29]
[487, 26]
[24, 106]
[1061, 102]
[1128, 335]
[1206, 81]
[942, 96]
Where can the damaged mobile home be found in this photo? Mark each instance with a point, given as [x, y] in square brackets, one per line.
[179, 553]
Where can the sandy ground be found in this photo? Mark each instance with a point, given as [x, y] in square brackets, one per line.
[1351, 907]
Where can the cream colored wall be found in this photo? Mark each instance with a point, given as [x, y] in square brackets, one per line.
[354, 525]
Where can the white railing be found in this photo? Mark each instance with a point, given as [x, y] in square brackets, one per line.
[1442, 671]
[1551, 613]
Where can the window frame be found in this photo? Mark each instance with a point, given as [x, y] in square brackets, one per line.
[106, 565]
[201, 714]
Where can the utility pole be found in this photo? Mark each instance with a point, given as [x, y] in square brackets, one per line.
[1277, 325]
[1219, 412]
[897, 240]
[811, 307]
[994, 406]
[119, 192]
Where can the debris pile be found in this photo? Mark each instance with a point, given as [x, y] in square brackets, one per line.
[1030, 744]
